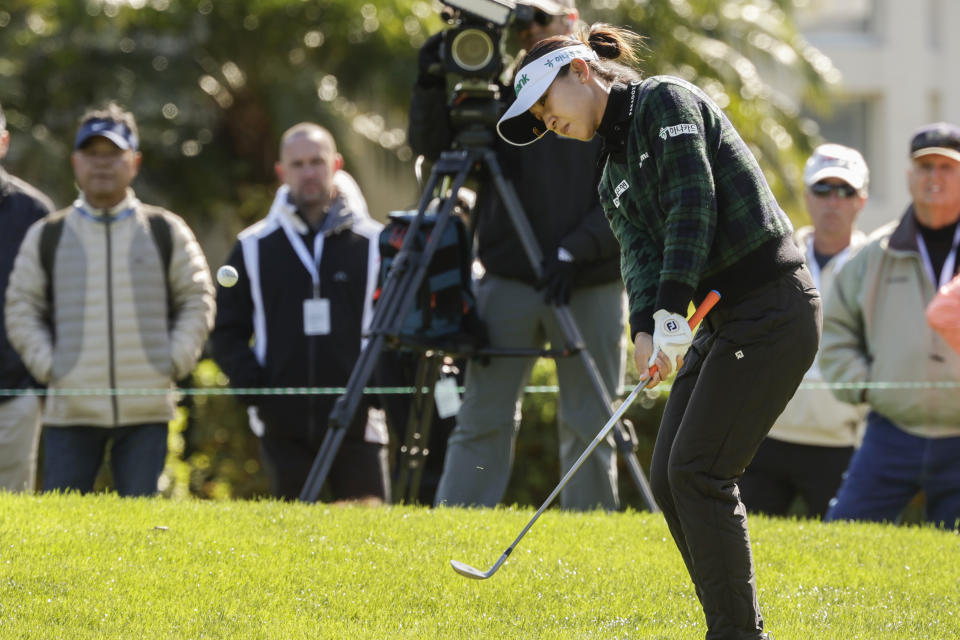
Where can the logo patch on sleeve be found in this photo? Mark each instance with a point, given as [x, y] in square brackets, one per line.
[618, 191]
[678, 130]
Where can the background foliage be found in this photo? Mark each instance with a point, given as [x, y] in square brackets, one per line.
[214, 84]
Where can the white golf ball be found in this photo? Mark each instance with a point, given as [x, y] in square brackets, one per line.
[227, 276]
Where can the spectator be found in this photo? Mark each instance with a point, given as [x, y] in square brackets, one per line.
[810, 444]
[693, 212]
[875, 331]
[305, 295]
[557, 186]
[20, 206]
[108, 293]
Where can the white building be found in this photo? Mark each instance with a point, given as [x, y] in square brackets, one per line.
[900, 61]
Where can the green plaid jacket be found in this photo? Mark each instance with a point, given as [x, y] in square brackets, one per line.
[687, 200]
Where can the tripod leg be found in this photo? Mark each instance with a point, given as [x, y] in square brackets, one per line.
[321, 464]
[567, 324]
[414, 451]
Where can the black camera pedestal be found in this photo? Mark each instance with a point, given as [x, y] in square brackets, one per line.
[397, 296]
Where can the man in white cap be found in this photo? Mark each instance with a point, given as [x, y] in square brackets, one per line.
[556, 182]
[810, 445]
[877, 342]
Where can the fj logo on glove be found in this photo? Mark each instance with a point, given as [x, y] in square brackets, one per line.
[672, 326]
[618, 191]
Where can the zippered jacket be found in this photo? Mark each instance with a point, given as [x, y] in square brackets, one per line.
[110, 319]
[20, 206]
[875, 331]
[687, 201]
[259, 338]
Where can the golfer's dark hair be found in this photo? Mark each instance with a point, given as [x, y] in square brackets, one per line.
[617, 49]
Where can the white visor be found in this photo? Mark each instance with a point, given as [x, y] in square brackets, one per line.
[518, 126]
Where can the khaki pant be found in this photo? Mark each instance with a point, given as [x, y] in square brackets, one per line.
[19, 437]
[480, 451]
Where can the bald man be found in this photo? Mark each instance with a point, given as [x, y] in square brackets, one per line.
[296, 317]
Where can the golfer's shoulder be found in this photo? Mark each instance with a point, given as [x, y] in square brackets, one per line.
[667, 91]
[669, 101]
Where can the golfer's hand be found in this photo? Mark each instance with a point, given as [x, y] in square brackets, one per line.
[642, 356]
[671, 335]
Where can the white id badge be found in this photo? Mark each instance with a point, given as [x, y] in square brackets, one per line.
[447, 397]
[316, 316]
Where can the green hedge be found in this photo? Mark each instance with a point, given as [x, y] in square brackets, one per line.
[213, 453]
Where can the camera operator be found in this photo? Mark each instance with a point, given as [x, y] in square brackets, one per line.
[556, 181]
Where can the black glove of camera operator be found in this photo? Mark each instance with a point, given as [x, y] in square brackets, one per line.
[559, 271]
[430, 63]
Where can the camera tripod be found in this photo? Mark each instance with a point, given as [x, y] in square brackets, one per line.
[398, 294]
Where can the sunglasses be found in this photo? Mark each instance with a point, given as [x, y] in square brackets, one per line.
[526, 16]
[824, 189]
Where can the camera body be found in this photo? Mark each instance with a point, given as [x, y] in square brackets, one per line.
[473, 59]
[473, 46]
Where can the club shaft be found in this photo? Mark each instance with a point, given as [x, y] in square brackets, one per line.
[601, 436]
[708, 303]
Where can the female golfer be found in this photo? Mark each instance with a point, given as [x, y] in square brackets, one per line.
[693, 212]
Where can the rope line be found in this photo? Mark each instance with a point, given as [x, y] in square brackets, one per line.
[336, 391]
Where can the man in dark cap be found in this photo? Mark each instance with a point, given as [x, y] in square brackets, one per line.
[875, 333]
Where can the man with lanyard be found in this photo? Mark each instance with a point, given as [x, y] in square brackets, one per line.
[875, 333]
[307, 273]
[810, 444]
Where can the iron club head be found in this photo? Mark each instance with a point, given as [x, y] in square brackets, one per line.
[468, 571]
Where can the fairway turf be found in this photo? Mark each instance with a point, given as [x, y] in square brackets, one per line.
[103, 567]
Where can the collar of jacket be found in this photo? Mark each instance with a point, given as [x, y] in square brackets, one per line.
[129, 202]
[904, 237]
[339, 218]
[621, 105]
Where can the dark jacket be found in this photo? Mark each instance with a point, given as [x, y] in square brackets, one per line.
[687, 200]
[20, 206]
[556, 181]
[267, 304]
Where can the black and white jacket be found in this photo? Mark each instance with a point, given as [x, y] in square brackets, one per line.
[267, 305]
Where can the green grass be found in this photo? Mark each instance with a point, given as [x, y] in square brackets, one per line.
[103, 567]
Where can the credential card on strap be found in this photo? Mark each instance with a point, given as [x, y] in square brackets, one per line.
[316, 316]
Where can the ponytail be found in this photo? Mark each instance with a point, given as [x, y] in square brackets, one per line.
[616, 47]
[613, 43]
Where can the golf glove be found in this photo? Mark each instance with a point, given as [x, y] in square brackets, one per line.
[671, 334]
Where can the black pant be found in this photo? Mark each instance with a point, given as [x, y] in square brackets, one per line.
[745, 363]
[782, 471]
[359, 470]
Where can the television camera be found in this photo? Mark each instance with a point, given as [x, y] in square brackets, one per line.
[473, 55]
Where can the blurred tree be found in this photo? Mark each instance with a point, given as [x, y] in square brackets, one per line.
[213, 84]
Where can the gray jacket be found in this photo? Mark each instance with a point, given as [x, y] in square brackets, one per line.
[110, 319]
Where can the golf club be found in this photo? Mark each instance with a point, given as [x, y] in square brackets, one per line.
[471, 572]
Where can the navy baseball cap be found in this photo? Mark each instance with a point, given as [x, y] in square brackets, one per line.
[940, 138]
[116, 132]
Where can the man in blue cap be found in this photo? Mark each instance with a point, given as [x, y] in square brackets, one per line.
[108, 294]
